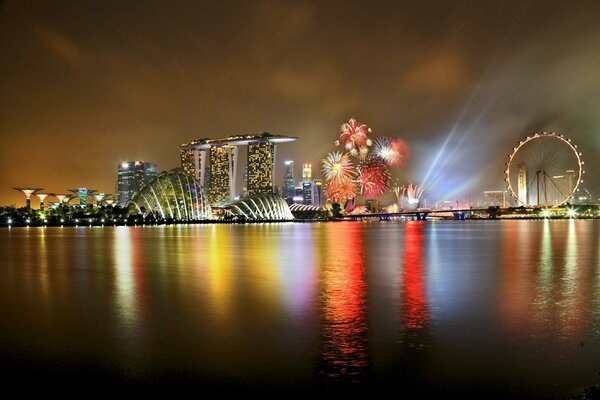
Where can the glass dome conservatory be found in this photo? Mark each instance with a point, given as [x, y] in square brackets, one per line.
[266, 207]
[172, 195]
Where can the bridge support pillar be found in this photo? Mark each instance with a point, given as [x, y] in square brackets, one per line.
[460, 216]
[422, 216]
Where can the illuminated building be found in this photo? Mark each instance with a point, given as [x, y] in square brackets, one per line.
[287, 189]
[193, 159]
[28, 192]
[307, 192]
[223, 163]
[306, 172]
[42, 197]
[131, 176]
[172, 195]
[83, 194]
[522, 185]
[317, 193]
[223, 160]
[493, 198]
[266, 206]
[261, 157]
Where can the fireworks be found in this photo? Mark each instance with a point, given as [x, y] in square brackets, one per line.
[353, 136]
[392, 151]
[413, 193]
[399, 191]
[374, 177]
[371, 177]
[337, 167]
[340, 191]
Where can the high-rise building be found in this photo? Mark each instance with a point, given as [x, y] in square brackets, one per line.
[317, 193]
[522, 185]
[258, 175]
[261, 157]
[193, 159]
[287, 189]
[306, 172]
[307, 193]
[223, 160]
[494, 198]
[131, 176]
[298, 195]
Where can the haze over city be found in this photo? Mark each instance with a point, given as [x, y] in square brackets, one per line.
[86, 85]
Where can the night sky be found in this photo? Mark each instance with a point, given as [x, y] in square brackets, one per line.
[85, 85]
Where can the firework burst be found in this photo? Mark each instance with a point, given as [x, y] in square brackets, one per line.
[340, 191]
[374, 177]
[392, 151]
[353, 136]
[337, 166]
[413, 193]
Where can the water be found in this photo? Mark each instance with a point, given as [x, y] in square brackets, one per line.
[479, 308]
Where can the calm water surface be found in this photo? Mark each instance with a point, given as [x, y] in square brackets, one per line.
[499, 308]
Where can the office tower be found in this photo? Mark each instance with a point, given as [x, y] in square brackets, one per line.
[287, 189]
[131, 176]
[317, 193]
[306, 172]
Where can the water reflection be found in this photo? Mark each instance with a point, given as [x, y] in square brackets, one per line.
[344, 347]
[414, 298]
[343, 305]
[125, 294]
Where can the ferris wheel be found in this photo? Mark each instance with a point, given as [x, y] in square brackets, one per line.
[545, 169]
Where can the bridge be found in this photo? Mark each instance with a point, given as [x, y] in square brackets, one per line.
[422, 214]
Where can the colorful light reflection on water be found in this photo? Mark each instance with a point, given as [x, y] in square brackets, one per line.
[302, 308]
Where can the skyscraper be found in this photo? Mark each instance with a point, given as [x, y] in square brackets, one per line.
[131, 176]
[193, 159]
[258, 173]
[223, 160]
[317, 193]
[307, 192]
[261, 157]
[288, 182]
[306, 172]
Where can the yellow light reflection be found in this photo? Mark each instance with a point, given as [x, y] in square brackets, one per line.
[124, 277]
[220, 261]
[263, 260]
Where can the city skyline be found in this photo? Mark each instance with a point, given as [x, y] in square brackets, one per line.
[434, 75]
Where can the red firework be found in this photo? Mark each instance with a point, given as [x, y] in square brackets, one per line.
[353, 135]
[340, 191]
[374, 177]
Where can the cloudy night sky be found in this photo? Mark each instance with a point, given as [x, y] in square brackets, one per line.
[85, 85]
